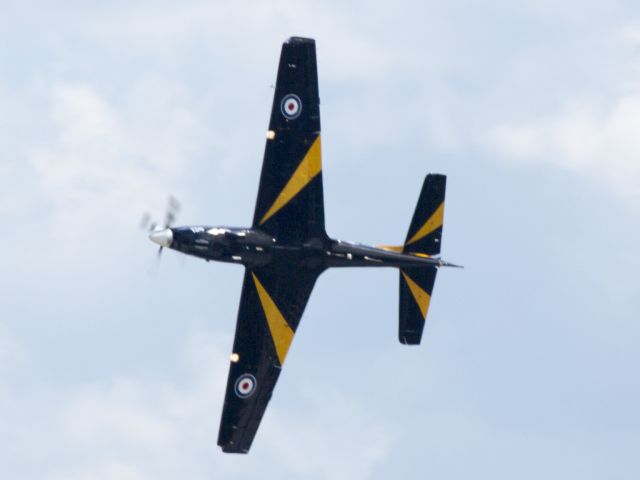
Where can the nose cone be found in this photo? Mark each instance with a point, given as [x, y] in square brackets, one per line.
[162, 237]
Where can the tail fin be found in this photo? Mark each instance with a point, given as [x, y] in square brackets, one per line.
[424, 237]
[425, 231]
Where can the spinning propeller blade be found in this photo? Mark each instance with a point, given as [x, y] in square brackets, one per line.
[155, 228]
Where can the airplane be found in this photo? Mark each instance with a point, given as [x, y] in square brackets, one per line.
[286, 249]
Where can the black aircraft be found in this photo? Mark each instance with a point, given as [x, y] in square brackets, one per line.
[287, 248]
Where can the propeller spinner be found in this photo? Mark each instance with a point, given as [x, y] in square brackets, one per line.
[162, 234]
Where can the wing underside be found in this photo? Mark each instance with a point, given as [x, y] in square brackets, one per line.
[273, 299]
[289, 207]
[290, 202]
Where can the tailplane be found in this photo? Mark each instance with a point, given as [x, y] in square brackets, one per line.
[424, 238]
[416, 286]
[425, 231]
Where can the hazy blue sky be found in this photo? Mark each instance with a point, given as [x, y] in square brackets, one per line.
[114, 368]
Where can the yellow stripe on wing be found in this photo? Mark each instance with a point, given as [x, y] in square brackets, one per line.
[421, 297]
[310, 166]
[281, 332]
[434, 222]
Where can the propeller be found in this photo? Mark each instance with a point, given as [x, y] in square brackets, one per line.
[147, 223]
[173, 207]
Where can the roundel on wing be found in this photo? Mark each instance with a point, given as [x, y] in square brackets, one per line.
[245, 385]
[291, 106]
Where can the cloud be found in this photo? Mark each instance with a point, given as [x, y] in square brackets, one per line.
[103, 153]
[118, 427]
[140, 428]
[98, 167]
[594, 134]
[107, 110]
[97, 151]
[333, 422]
[597, 141]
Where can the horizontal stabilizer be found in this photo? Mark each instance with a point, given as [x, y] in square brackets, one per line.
[425, 231]
[416, 286]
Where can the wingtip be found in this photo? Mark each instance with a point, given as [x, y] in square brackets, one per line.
[233, 448]
[300, 40]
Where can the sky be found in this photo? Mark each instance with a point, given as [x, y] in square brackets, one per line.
[113, 366]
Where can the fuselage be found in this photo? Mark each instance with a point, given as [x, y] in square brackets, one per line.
[253, 248]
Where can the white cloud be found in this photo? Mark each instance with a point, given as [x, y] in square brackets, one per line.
[100, 151]
[121, 427]
[104, 154]
[330, 428]
[594, 133]
[120, 103]
[97, 168]
[585, 138]
[140, 428]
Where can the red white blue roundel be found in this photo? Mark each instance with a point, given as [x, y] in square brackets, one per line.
[291, 106]
[245, 385]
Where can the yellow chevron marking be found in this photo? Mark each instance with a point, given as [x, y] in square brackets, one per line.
[391, 248]
[421, 297]
[429, 226]
[423, 255]
[281, 332]
[310, 166]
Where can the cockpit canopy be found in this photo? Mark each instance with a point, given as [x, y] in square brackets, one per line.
[237, 232]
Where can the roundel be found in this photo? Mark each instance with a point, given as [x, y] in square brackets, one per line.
[245, 385]
[291, 106]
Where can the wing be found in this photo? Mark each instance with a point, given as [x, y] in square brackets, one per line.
[272, 302]
[290, 203]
